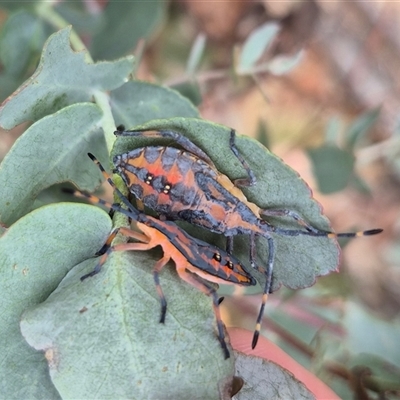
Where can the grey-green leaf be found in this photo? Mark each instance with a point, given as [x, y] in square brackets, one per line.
[255, 45]
[103, 338]
[300, 259]
[52, 150]
[36, 253]
[267, 380]
[361, 126]
[63, 77]
[333, 167]
[125, 22]
[138, 102]
[22, 37]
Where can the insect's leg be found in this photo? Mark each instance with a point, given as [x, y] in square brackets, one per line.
[109, 240]
[176, 136]
[251, 178]
[112, 184]
[209, 291]
[310, 230]
[267, 290]
[229, 244]
[156, 275]
[252, 255]
[120, 247]
[289, 213]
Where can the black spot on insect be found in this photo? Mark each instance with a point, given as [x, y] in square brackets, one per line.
[217, 257]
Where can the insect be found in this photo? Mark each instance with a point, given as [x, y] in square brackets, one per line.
[185, 185]
[197, 262]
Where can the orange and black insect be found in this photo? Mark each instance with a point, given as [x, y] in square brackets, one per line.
[197, 262]
[185, 185]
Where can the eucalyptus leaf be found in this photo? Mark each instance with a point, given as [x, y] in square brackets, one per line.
[36, 253]
[63, 77]
[283, 64]
[299, 260]
[361, 126]
[22, 38]
[266, 380]
[332, 166]
[52, 150]
[255, 45]
[138, 102]
[196, 53]
[103, 338]
[124, 24]
[384, 340]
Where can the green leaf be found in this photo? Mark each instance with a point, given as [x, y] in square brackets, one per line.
[85, 19]
[35, 255]
[124, 24]
[52, 150]
[360, 127]
[283, 64]
[190, 90]
[196, 53]
[103, 337]
[262, 133]
[12, 5]
[255, 45]
[383, 340]
[138, 102]
[8, 84]
[299, 260]
[333, 167]
[264, 379]
[332, 130]
[62, 78]
[22, 38]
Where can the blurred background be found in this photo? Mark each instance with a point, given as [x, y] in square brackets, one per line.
[317, 83]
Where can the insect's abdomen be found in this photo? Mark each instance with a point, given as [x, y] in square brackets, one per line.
[162, 178]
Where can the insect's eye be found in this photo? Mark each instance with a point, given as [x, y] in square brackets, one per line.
[229, 264]
[149, 179]
[217, 257]
[167, 188]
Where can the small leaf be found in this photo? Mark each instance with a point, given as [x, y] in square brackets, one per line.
[52, 150]
[255, 45]
[332, 130]
[333, 167]
[138, 102]
[262, 133]
[382, 342]
[190, 90]
[360, 127]
[196, 53]
[62, 78]
[300, 259]
[36, 253]
[124, 23]
[112, 320]
[266, 380]
[22, 38]
[283, 64]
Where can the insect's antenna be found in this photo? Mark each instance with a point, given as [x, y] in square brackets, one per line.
[132, 213]
[369, 232]
[320, 233]
[112, 184]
